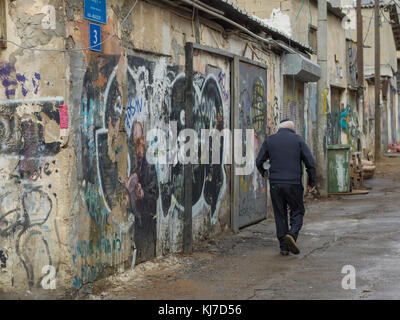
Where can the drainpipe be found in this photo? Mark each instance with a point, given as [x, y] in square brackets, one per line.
[322, 107]
[360, 70]
[378, 136]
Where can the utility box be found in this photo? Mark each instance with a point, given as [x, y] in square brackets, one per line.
[339, 168]
[301, 68]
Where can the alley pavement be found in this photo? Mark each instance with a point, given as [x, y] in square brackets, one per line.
[362, 231]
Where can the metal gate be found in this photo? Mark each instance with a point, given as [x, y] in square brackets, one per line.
[252, 115]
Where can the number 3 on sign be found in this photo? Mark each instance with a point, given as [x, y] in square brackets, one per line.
[95, 37]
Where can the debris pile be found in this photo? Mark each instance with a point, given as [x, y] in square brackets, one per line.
[368, 169]
[393, 148]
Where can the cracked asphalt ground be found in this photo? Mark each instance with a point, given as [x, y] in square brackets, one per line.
[362, 231]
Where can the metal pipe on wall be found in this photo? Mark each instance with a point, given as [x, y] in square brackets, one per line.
[378, 135]
[322, 87]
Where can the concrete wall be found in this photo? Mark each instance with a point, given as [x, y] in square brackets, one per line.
[85, 199]
[285, 15]
[301, 19]
[388, 47]
[336, 52]
[35, 161]
[274, 10]
[390, 128]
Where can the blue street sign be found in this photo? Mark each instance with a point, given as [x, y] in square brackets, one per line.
[95, 37]
[95, 10]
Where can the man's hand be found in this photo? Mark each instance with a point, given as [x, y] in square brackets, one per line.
[311, 189]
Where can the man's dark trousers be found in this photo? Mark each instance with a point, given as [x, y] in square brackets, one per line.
[282, 196]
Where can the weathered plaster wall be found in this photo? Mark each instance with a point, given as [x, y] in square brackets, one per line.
[301, 19]
[390, 126]
[350, 122]
[34, 158]
[388, 46]
[263, 9]
[336, 42]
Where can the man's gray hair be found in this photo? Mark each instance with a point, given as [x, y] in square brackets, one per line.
[287, 125]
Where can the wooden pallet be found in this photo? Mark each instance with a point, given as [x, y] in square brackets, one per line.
[356, 171]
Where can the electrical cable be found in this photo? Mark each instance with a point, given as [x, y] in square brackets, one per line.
[382, 13]
[395, 2]
[266, 40]
[308, 34]
[297, 16]
[75, 49]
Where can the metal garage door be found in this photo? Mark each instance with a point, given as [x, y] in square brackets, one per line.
[252, 115]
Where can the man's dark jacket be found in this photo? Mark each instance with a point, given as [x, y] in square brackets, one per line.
[285, 151]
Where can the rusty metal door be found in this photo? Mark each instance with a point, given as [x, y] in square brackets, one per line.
[334, 128]
[252, 115]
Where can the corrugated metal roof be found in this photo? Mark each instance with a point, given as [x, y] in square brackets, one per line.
[353, 4]
[332, 8]
[370, 3]
[290, 40]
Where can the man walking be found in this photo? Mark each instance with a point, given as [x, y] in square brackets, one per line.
[286, 151]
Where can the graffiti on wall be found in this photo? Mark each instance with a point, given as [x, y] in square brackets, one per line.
[101, 116]
[349, 125]
[27, 157]
[3, 258]
[274, 102]
[14, 83]
[275, 111]
[293, 103]
[352, 62]
[115, 119]
[208, 113]
[334, 120]
[252, 115]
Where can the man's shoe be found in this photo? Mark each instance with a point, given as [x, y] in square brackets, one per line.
[289, 240]
[284, 252]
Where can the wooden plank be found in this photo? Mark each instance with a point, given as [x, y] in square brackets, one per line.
[211, 50]
[353, 192]
[187, 171]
